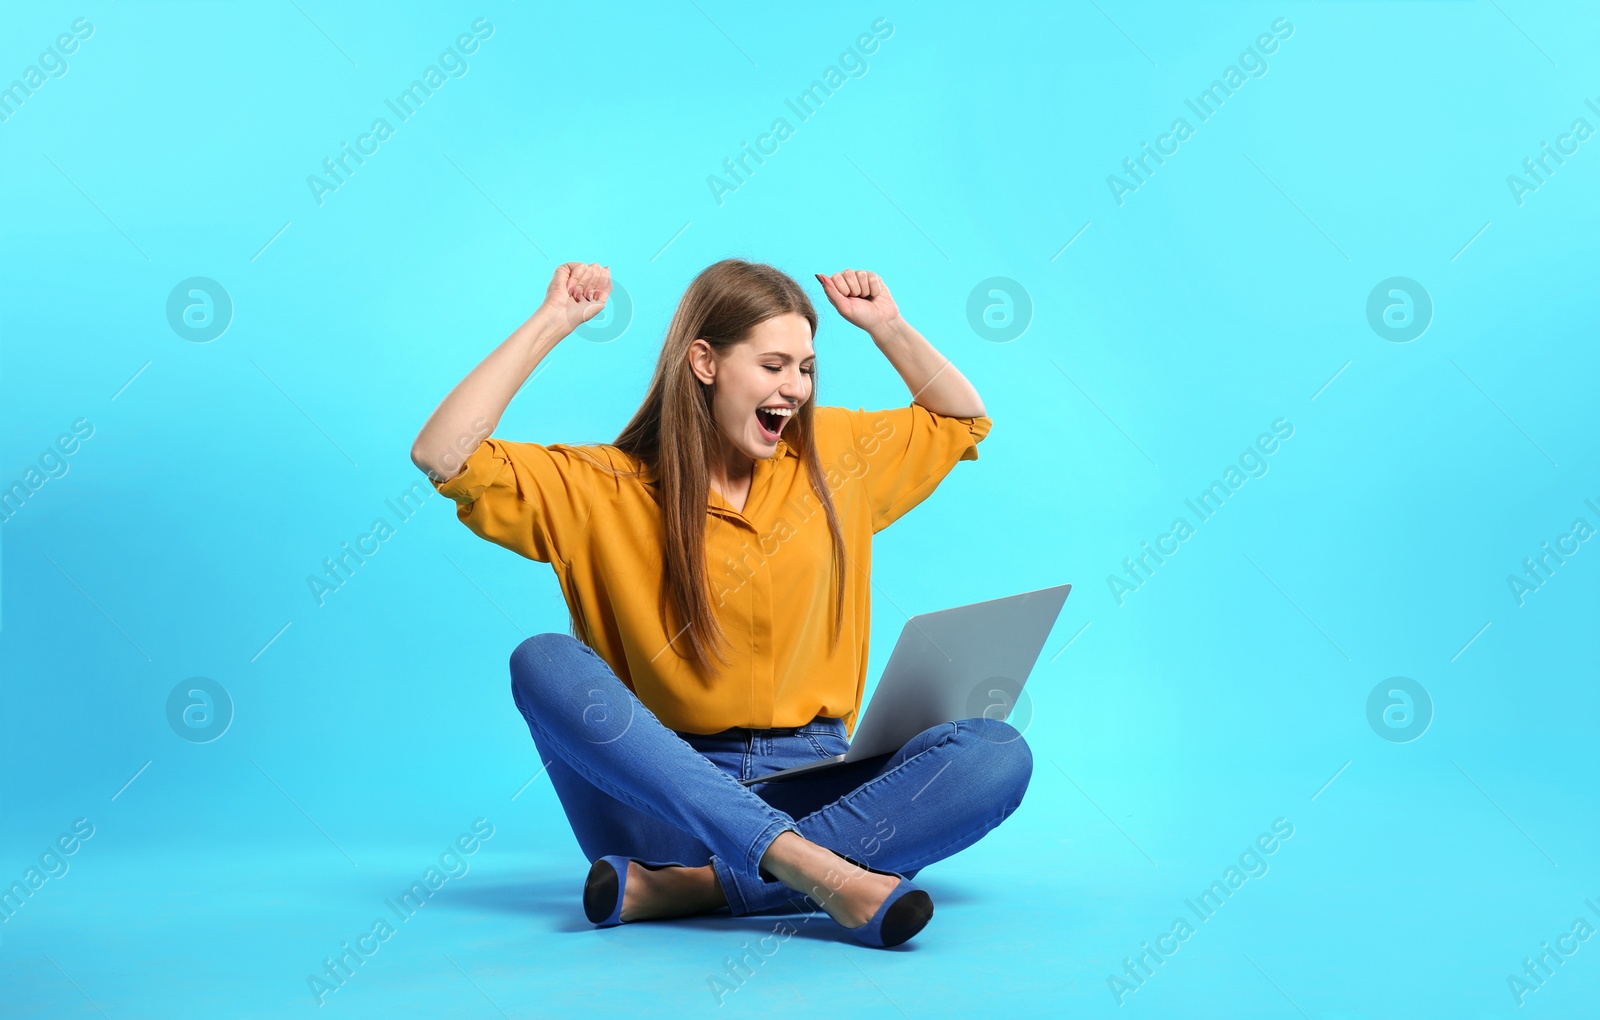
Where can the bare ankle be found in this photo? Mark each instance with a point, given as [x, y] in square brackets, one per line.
[786, 857]
[810, 869]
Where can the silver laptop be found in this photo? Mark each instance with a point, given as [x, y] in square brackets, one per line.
[959, 663]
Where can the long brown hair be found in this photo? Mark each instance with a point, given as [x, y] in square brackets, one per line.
[722, 305]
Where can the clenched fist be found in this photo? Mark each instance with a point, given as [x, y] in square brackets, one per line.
[577, 292]
[862, 298]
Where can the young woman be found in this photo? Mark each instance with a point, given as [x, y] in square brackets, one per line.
[716, 562]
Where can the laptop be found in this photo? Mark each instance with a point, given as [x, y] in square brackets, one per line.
[960, 663]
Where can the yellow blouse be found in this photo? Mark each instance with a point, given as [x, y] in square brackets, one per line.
[591, 512]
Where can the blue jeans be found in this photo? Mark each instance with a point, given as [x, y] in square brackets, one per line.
[632, 787]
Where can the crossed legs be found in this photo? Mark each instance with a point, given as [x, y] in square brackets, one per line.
[632, 787]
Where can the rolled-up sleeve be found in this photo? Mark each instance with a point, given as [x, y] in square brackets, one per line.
[529, 498]
[907, 452]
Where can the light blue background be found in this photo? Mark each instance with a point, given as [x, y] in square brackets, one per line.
[1229, 291]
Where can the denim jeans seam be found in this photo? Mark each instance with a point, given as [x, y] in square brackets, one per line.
[730, 890]
[757, 849]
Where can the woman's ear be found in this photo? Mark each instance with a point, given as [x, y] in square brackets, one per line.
[702, 361]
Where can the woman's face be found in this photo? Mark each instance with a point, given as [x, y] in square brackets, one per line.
[771, 369]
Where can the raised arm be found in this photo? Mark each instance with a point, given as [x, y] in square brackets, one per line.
[863, 300]
[471, 411]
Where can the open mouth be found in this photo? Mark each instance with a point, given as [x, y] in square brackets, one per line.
[771, 422]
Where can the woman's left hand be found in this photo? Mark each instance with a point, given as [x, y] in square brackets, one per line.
[862, 298]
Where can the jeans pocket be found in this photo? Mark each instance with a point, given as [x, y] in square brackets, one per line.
[827, 744]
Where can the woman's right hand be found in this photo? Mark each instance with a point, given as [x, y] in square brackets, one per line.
[577, 293]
